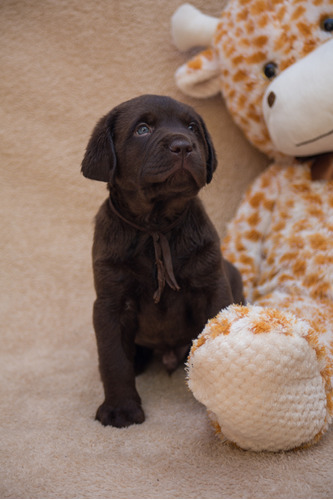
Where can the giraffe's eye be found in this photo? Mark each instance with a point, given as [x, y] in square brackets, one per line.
[270, 70]
[326, 24]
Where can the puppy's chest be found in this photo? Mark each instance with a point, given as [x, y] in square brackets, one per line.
[143, 257]
[163, 327]
[168, 323]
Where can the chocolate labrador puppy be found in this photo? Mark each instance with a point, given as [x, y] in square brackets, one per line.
[158, 269]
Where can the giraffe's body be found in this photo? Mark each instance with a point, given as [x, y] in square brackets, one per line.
[265, 370]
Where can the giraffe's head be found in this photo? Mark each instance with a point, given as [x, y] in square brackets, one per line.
[273, 62]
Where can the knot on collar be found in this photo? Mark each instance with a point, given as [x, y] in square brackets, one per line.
[162, 250]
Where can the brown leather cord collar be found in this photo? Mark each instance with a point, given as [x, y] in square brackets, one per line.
[163, 258]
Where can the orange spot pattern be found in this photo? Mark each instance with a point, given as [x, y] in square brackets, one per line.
[281, 239]
[282, 242]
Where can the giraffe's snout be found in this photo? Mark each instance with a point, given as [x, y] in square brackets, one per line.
[298, 105]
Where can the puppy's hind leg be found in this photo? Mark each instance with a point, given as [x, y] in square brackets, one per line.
[143, 356]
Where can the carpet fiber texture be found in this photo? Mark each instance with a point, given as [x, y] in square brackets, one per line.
[64, 64]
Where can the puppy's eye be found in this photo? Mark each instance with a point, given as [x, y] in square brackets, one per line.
[193, 127]
[142, 129]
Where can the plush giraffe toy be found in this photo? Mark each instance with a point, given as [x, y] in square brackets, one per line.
[264, 370]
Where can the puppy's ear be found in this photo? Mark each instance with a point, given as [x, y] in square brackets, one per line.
[211, 153]
[99, 161]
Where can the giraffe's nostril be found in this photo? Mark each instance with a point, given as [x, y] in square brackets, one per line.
[271, 99]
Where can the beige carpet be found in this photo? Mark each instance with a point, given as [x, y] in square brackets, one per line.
[63, 64]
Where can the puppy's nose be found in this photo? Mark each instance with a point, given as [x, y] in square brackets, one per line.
[180, 147]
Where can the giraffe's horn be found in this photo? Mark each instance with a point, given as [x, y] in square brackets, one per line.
[191, 28]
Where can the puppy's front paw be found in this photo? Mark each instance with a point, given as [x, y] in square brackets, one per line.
[120, 416]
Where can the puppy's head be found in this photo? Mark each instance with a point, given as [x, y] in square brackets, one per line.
[154, 144]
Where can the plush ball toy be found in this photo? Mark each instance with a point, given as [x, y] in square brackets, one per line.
[264, 370]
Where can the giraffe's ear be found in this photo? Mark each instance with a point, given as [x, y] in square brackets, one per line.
[191, 28]
[200, 77]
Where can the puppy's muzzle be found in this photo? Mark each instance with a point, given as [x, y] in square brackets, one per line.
[181, 147]
[186, 158]
[180, 160]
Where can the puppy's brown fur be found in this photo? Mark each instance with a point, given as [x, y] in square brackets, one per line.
[155, 154]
